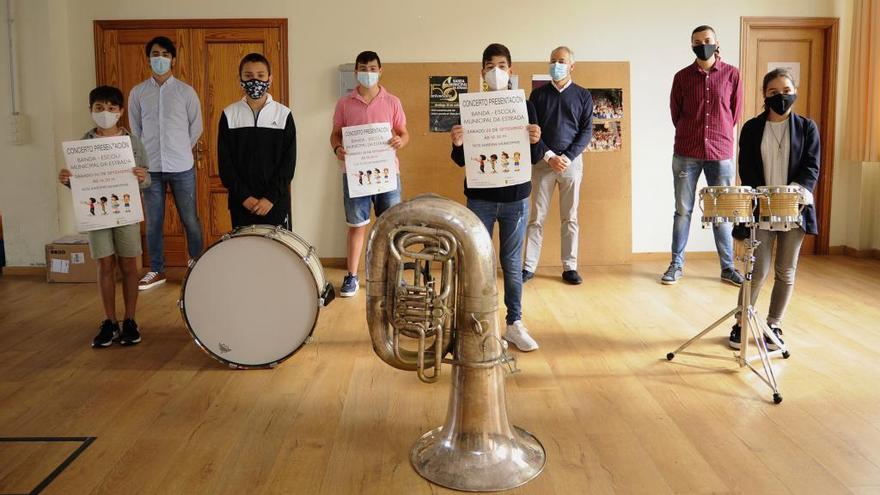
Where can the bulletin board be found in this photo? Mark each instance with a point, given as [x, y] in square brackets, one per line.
[605, 210]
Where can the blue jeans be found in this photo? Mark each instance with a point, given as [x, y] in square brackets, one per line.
[512, 220]
[685, 172]
[183, 187]
[357, 210]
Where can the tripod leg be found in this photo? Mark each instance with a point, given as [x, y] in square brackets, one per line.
[769, 377]
[773, 338]
[704, 332]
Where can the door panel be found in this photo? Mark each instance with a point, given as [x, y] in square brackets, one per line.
[218, 51]
[126, 65]
[809, 43]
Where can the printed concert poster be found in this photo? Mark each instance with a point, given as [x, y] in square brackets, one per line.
[370, 162]
[443, 110]
[496, 141]
[105, 190]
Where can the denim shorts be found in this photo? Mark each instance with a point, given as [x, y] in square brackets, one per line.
[357, 210]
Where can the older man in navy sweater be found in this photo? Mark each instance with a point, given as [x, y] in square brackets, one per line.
[565, 115]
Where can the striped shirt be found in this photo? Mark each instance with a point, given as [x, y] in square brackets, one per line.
[705, 106]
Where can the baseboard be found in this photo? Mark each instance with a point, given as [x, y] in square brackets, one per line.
[666, 256]
[837, 250]
[862, 253]
[24, 271]
[334, 262]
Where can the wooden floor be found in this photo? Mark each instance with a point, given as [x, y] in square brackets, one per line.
[613, 414]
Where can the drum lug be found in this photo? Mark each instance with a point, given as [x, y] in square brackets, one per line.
[227, 236]
[180, 304]
[308, 257]
[308, 339]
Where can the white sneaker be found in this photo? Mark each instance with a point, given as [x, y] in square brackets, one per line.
[151, 279]
[518, 335]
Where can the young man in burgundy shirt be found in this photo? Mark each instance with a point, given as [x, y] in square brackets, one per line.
[706, 102]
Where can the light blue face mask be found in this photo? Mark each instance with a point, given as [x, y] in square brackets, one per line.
[368, 79]
[160, 65]
[558, 71]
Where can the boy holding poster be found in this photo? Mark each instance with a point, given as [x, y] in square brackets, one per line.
[368, 103]
[493, 202]
[117, 243]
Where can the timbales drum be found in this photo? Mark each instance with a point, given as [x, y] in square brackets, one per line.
[721, 204]
[779, 207]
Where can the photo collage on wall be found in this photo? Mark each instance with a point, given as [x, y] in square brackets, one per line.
[607, 120]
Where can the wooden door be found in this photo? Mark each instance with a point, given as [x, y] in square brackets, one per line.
[809, 47]
[122, 62]
[217, 52]
[208, 52]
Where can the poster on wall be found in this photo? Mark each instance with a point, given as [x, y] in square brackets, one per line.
[443, 110]
[370, 162]
[607, 103]
[606, 137]
[104, 189]
[793, 67]
[496, 141]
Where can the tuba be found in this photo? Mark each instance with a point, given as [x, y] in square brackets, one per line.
[476, 449]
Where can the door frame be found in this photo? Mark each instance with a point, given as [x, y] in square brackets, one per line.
[101, 25]
[831, 28]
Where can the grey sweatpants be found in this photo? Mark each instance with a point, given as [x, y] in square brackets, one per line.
[788, 246]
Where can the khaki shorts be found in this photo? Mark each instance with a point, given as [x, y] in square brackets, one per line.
[122, 241]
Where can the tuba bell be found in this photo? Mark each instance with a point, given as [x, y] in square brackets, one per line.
[476, 449]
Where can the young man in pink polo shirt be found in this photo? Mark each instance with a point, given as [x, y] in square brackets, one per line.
[369, 103]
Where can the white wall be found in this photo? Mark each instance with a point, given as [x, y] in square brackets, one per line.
[653, 36]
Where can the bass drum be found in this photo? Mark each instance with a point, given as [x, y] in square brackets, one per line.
[252, 299]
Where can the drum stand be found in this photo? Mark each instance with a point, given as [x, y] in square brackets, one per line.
[750, 327]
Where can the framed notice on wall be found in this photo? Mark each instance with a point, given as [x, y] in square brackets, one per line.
[443, 111]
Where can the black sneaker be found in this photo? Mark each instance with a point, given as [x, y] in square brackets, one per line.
[732, 276]
[771, 346]
[734, 340]
[130, 334]
[673, 273]
[572, 277]
[106, 334]
[527, 275]
[349, 286]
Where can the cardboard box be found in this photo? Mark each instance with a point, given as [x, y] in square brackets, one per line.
[68, 260]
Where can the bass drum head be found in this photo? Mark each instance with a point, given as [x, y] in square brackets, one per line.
[250, 301]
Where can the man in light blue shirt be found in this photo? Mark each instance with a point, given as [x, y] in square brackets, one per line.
[166, 115]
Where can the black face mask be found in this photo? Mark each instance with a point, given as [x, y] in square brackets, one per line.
[705, 52]
[780, 103]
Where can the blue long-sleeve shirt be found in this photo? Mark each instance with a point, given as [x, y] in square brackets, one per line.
[566, 119]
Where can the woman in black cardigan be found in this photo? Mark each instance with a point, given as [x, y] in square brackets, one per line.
[779, 147]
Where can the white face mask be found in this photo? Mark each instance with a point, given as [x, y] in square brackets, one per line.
[497, 79]
[106, 120]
